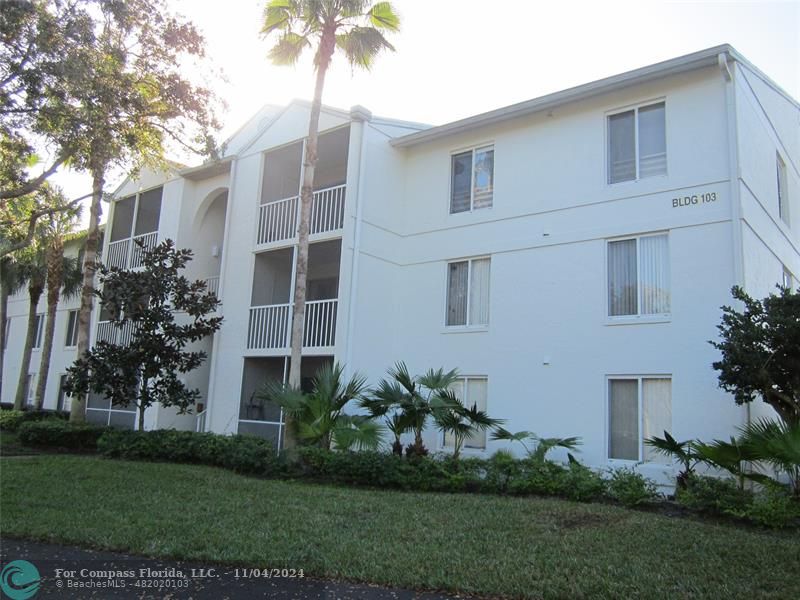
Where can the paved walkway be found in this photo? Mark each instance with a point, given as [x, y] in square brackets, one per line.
[91, 574]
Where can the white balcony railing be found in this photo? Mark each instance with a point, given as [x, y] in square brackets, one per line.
[278, 221]
[270, 325]
[212, 285]
[126, 254]
[108, 331]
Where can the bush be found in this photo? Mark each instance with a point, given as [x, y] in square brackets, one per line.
[57, 433]
[714, 495]
[240, 453]
[774, 508]
[580, 483]
[630, 488]
[10, 420]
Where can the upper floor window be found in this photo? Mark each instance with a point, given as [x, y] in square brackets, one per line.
[788, 279]
[638, 408]
[783, 189]
[39, 328]
[637, 143]
[136, 215]
[468, 292]
[72, 329]
[472, 179]
[638, 276]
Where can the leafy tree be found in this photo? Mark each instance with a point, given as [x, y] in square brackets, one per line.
[318, 417]
[63, 277]
[125, 106]
[145, 301]
[357, 30]
[760, 349]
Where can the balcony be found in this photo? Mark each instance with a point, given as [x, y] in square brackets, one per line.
[270, 326]
[278, 221]
[110, 332]
[127, 253]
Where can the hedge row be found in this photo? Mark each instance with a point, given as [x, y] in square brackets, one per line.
[500, 474]
[10, 420]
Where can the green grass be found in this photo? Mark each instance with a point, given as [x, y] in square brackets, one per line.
[521, 547]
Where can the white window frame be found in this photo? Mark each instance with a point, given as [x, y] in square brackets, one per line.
[472, 150]
[788, 279]
[37, 338]
[467, 326]
[783, 189]
[465, 401]
[652, 317]
[640, 414]
[74, 336]
[637, 158]
[30, 395]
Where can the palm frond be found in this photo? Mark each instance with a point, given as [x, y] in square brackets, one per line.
[356, 432]
[279, 15]
[361, 45]
[544, 445]
[383, 16]
[438, 379]
[289, 47]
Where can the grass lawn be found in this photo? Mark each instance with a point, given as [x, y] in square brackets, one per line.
[520, 547]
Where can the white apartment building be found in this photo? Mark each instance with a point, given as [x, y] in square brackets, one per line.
[569, 255]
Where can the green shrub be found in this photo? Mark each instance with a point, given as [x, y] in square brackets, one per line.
[57, 433]
[630, 488]
[714, 495]
[774, 508]
[581, 483]
[240, 453]
[503, 473]
[10, 420]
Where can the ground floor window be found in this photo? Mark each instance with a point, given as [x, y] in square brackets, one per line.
[638, 408]
[100, 411]
[472, 390]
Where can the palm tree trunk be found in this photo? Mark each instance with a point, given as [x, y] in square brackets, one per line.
[77, 412]
[30, 334]
[327, 46]
[3, 332]
[55, 276]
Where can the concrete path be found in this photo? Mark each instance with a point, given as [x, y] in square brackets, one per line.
[68, 572]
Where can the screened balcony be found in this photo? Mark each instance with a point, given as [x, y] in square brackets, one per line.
[279, 209]
[270, 319]
[134, 229]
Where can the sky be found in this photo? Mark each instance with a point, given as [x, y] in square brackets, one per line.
[456, 58]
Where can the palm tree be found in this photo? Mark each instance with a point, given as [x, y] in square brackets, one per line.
[543, 445]
[10, 283]
[410, 401]
[63, 274]
[318, 417]
[459, 421]
[33, 272]
[683, 452]
[357, 30]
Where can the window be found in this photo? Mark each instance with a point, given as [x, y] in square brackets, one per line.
[783, 189]
[637, 143]
[468, 292]
[472, 179]
[788, 279]
[63, 402]
[72, 329]
[30, 388]
[638, 276]
[37, 339]
[638, 408]
[471, 391]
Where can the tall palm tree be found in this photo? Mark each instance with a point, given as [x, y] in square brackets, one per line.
[357, 30]
[32, 271]
[10, 283]
[64, 275]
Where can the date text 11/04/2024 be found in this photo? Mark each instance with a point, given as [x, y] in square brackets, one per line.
[694, 199]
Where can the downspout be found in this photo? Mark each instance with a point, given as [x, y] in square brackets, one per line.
[223, 269]
[729, 73]
[361, 114]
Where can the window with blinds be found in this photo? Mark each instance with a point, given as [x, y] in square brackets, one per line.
[472, 391]
[468, 292]
[637, 143]
[472, 179]
[638, 408]
[639, 276]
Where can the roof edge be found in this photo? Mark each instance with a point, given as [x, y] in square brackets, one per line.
[688, 62]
